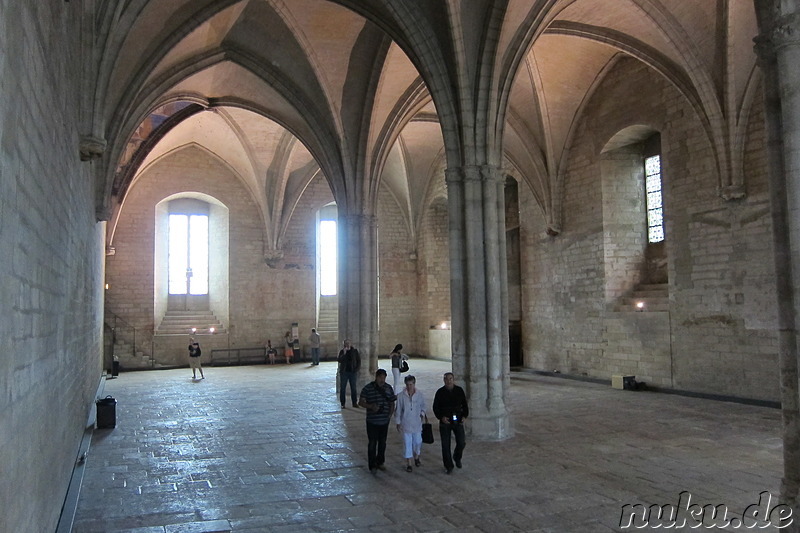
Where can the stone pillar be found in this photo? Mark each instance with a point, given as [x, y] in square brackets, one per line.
[778, 50]
[479, 295]
[358, 288]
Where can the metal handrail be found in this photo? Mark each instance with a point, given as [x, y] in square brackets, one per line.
[119, 323]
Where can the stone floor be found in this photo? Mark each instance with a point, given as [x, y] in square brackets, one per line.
[268, 448]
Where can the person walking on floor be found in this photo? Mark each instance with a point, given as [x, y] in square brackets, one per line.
[451, 408]
[409, 415]
[378, 398]
[397, 360]
[349, 364]
[314, 339]
[194, 358]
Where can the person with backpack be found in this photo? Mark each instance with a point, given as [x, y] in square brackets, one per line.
[349, 364]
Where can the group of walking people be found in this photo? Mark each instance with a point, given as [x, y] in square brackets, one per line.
[407, 407]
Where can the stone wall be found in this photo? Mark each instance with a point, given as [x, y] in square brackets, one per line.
[397, 306]
[433, 270]
[51, 265]
[718, 336]
[263, 301]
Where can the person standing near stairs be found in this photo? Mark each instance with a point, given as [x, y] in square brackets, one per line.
[314, 340]
[194, 358]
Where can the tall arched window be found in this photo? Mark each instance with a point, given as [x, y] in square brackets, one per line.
[191, 257]
[188, 254]
[327, 242]
[633, 212]
[655, 251]
[327, 258]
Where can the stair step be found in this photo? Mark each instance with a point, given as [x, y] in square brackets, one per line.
[189, 319]
[650, 294]
[198, 328]
[653, 286]
[654, 296]
[182, 322]
[630, 306]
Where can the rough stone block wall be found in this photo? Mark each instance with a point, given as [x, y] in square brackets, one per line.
[264, 301]
[512, 249]
[294, 299]
[51, 265]
[434, 269]
[624, 234]
[719, 334]
[398, 280]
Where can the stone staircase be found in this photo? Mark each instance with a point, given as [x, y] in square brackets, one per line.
[328, 325]
[131, 358]
[182, 322]
[652, 297]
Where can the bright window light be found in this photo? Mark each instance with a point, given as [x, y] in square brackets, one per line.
[198, 254]
[188, 254]
[327, 257]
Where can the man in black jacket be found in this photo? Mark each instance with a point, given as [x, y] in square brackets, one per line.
[349, 364]
[451, 408]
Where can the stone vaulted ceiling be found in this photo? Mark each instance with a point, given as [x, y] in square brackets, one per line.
[371, 93]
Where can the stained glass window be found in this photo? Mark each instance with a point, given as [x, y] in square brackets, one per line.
[655, 213]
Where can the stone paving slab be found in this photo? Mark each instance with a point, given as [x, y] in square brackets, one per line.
[268, 448]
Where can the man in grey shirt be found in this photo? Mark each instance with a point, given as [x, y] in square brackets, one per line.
[378, 398]
[314, 340]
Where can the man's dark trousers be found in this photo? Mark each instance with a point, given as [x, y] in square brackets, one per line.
[376, 449]
[461, 443]
[344, 378]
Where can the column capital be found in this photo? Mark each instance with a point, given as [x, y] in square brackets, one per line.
[102, 213]
[474, 173]
[786, 31]
[764, 49]
[91, 147]
[272, 258]
[359, 219]
[780, 31]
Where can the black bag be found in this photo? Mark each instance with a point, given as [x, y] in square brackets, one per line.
[403, 367]
[427, 433]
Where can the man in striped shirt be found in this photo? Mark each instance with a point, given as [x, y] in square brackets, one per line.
[378, 399]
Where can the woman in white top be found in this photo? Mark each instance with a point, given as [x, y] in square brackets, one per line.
[408, 416]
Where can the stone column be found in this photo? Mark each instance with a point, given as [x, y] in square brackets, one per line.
[358, 288]
[778, 50]
[479, 295]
